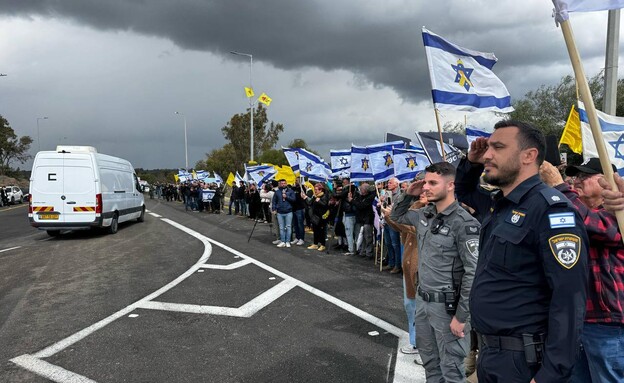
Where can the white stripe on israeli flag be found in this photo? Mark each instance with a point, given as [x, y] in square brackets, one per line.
[561, 220]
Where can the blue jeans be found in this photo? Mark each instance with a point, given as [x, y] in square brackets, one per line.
[602, 356]
[410, 310]
[392, 238]
[349, 224]
[298, 216]
[285, 221]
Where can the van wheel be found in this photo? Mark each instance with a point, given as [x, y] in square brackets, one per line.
[53, 233]
[114, 226]
[142, 216]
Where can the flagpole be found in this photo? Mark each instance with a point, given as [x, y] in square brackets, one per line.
[437, 115]
[590, 108]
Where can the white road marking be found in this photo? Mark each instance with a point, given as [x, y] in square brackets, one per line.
[49, 370]
[245, 311]
[155, 215]
[231, 266]
[373, 333]
[10, 248]
[133, 315]
[405, 370]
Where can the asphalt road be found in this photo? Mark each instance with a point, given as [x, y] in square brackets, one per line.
[183, 297]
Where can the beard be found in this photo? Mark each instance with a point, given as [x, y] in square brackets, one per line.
[507, 174]
[436, 197]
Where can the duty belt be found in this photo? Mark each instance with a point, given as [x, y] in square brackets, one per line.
[431, 296]
[508, 343]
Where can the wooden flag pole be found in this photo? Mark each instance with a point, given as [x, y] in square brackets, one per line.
[437, 114]
[590, 108]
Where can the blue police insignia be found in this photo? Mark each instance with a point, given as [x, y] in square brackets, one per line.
[516, 217]
[566, 249]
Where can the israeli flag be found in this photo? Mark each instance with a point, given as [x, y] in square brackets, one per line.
[612, 133]
[261, 173]
[217, 178]
[340, 161]
[201, 174]
[292, 156]
[462, 79]
[472, 133]
[184, 176]
[381, 159]
[360, 164]
[313, 166]
[408, 163]
[238, 178]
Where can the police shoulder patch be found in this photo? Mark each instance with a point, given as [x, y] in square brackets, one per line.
[553, 196]
[472, 229]
[473, 247]
[562, 220]
[566, 249]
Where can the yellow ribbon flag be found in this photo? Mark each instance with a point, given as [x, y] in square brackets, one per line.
[571, 135]
[266, 100]
[230, 179]
[249, 92]
[176, 178]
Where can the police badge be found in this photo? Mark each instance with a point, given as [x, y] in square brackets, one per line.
[566, 249]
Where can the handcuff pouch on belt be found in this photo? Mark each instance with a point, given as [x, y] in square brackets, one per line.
[533, 348]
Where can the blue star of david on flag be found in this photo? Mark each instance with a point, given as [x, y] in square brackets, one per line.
[365, 164]
[616, 145]
[411, 162]
[388, 158]
[463, 75]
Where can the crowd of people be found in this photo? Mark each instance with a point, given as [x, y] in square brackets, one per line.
[513, 269]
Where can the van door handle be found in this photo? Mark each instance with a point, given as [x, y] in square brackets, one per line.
[71, 202]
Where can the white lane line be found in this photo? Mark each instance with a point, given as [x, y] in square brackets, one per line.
[231, 266]
[49, 371]
[61, 345]
[245, 311]
[10, 248]
[405, 370]
[155, 215]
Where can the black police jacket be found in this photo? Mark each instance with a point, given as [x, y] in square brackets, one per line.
[532, 271]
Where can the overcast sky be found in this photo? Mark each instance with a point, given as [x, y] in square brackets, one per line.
[111, 74]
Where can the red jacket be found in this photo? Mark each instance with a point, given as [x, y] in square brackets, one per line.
[605, 294]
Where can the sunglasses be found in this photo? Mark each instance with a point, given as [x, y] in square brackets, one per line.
[584, 176]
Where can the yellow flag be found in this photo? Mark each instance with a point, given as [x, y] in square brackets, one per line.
[249, 92]
[230, 179]
[266, 100]
[286, 173]
[176, 178]
[572, 132]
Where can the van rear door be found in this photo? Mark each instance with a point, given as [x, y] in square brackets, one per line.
[64, 189]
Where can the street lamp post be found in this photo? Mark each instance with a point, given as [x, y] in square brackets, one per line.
[185, 141]
[251, 104]
[38, 140]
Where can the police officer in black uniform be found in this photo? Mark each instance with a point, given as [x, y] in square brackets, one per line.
[528, 296]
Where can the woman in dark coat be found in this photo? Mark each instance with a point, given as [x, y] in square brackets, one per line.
[318, 203]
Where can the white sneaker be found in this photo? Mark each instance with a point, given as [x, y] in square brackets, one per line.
[418, 359]
[294, 241]
[409, 349]
[277, 242]
[300, 242]
[287, 244]
[281, 244]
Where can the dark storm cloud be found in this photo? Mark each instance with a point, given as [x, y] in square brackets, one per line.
[382, 45]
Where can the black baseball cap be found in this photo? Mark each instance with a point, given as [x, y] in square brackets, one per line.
[590, 166]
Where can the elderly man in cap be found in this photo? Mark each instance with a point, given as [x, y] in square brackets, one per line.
[602, 355]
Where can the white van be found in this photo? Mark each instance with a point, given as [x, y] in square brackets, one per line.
[75, 188]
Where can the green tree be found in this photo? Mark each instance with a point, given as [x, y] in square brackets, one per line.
[273, 157]
[548, 107]
[266, 134]
[223, 161]
[12, 148]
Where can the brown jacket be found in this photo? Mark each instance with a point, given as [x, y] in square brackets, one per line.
[410, 252]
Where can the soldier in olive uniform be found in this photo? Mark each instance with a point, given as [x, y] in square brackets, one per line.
[448, 243]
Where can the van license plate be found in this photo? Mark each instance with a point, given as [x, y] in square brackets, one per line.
[49, 216]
